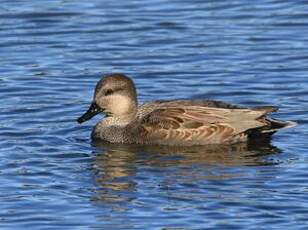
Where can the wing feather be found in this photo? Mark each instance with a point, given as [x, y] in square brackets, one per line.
[198, 125]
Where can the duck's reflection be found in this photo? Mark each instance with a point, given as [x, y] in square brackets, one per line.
[116, 166]
[114, 169]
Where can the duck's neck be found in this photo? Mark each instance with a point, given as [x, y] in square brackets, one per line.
[122, 120]
[122, 108]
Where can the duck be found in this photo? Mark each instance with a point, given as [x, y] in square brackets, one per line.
[179, 122]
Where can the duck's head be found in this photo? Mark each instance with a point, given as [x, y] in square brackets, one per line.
[115, 95]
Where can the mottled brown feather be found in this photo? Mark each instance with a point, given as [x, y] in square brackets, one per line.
[198, 124]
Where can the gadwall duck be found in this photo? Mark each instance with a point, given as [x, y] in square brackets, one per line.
[176, 123]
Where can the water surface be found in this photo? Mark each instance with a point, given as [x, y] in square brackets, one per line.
[53, 52]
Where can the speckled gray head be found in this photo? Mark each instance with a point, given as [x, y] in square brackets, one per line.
[115, 95]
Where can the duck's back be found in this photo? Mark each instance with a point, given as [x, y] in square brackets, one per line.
[197, 122]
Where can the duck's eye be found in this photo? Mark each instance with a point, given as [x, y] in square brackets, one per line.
[108, 92]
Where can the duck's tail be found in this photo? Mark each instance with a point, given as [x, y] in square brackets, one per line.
[273, 125]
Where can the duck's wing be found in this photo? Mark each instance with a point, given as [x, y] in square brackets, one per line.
[193, 125]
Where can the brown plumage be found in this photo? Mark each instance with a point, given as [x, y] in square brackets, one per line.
[178, 122]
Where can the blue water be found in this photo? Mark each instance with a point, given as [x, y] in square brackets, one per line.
[52, 53]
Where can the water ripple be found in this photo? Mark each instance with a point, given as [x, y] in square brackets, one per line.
[52, 54]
